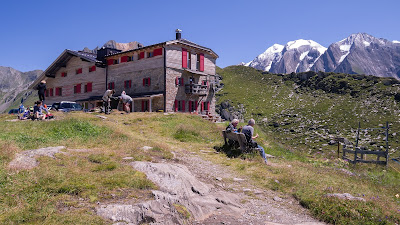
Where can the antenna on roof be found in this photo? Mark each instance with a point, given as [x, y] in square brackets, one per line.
[178, 34]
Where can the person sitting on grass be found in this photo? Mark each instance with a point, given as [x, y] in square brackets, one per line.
[232, 126]
[248, 131]
[38, 111]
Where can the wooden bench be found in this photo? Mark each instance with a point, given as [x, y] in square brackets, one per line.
[240, 138]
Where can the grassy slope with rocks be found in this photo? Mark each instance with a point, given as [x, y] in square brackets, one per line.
[66, 189]
[305, 111]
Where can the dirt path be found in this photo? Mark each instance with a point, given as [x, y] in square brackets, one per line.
[260, 206]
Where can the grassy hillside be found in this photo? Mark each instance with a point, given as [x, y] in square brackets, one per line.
[30, 97]
[305, 111]
[67, 188]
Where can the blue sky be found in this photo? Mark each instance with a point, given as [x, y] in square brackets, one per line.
[34, 33]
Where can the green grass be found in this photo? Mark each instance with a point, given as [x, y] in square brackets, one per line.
[67, 188]
[302, 114]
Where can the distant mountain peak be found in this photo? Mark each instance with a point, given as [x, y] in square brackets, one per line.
[359, 53]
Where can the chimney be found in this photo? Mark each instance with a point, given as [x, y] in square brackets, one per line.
[178, 34]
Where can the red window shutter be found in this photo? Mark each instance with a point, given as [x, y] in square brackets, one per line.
[190, 106]
[149, 81]
[125, 84]
[208, 106]
[177, 81]
[195, 105]
[202, 106]
[184, 58]
[89, 87]
[78, 88]
[201, 62]
[144, 82]
[46, 93]
[93, 68]
[182, 83]
[57, 92]
[110, 61]
[130, 83]
[141, 55]
[157, 51]
[183, 106]
[142, 105]
[113, 85]
[124, 59]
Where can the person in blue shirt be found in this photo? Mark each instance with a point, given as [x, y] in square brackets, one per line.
[248, 131]
[38, 111]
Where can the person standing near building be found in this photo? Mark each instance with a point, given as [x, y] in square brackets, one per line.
[126, 101]
[248, 131]
[41, 90]
[107, 99]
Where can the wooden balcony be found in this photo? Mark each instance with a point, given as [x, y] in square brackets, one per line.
[196, 89]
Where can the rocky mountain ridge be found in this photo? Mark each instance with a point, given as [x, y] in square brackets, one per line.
[13, 82]
[359, 53]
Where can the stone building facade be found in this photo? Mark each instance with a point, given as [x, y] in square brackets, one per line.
[173, 76]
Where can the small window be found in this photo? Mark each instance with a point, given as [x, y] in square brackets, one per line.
[51, 92]
[59, 91]
[179, 81]
[111, 85]
[141, 55]
[189, 60]
[129, 59]
[150, 54]
[88, 87]
[79, 71]
[146, 82]
[192, 106]
[92, 69]
[77, 89]
[179, 105]
[128, 84]
[116, 61]
[63, 74]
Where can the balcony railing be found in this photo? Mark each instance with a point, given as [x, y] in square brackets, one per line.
[196, 89]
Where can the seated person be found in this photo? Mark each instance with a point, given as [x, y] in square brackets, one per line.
[25, 115]
[232, 126]
[38, 111]
[248, 131]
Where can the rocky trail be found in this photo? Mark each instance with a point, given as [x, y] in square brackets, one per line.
[191, 190]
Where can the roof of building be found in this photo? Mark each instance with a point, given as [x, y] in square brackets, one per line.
[62, 60]
[178, 41]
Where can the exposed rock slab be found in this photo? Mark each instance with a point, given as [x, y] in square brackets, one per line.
[26, 160]
[346, 196]
[178, 186]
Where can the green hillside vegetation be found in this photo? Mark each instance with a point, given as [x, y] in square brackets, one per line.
[65, 190]
[305, 111]
[29, 99]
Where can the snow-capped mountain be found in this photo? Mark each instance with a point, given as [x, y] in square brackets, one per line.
[265, 60]
[299, 55]
[359, 53]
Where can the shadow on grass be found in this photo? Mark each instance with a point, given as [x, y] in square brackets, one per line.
[232, 150]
